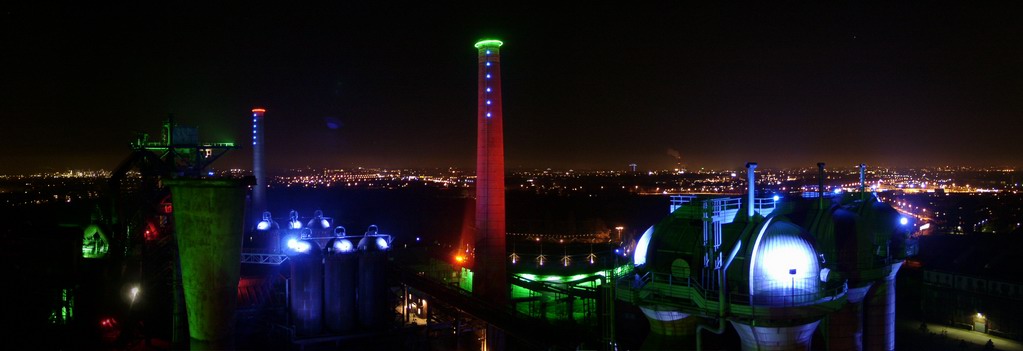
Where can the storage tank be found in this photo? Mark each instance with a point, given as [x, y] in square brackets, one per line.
[340, 270]
[319, 225]
[373, 309]
[783, 274]
[305, 288]
[774, 294]
[867, 241]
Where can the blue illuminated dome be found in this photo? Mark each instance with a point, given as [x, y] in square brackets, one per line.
[266, 223]
[376, 242]
[343, 246]
[639, 257]
[294, 246]
[319, 221]
[784, 266]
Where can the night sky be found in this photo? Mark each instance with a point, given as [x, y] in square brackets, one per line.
[585, 86]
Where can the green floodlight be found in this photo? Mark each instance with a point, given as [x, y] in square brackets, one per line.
[488, 42]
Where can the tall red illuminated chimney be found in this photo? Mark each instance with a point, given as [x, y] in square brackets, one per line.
[490, 281]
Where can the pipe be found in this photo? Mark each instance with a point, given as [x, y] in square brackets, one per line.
[750, 167]
[722, 301]
[820, 184]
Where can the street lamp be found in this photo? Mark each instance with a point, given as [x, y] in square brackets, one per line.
[619, 228]
[792, 272]
[134, 294]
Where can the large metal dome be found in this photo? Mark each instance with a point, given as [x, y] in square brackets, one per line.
[784, 266]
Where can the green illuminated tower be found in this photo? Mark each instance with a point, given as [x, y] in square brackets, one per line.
[208, 217]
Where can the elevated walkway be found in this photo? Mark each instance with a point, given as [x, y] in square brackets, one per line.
[687, 206]
[503, 317]
[687, 296]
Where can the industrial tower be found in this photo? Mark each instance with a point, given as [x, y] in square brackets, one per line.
[490, 219]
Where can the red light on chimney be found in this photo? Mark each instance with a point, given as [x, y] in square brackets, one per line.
[260, 110]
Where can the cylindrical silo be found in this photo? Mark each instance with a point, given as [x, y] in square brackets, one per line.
[776, 338]
[373, 310]
[209, 223]
[340, 280]
[669, 321]
[845, 326]
[879, 313]
[305, 286]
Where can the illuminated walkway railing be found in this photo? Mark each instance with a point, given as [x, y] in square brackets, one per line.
[679, 200]
[536, 333]
[764, 205]
[690, 297]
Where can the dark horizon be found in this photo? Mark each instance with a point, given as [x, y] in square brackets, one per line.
[585, 87]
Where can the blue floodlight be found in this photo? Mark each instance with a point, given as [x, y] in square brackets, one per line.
[382, 243]
[776, 198]
[903, 220]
